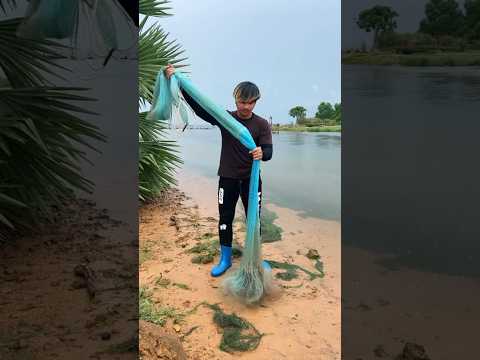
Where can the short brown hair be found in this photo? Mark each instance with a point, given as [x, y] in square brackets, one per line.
[245, 91]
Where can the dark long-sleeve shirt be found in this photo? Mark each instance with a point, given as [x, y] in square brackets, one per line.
[235, 160]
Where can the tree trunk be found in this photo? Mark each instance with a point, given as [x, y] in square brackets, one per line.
[375, 40]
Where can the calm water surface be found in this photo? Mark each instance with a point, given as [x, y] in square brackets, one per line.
[304, 173]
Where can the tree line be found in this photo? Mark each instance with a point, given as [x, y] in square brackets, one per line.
[327, 114]
[445, 26]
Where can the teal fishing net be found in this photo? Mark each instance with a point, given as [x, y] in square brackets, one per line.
[49, 19]
[250, 281]
[91, 28]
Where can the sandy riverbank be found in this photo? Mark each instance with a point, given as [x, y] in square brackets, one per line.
[303, 320]
[47, 308]
[420, 306]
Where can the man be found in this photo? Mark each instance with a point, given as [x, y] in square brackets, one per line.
[235, 161]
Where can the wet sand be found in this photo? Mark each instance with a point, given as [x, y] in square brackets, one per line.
[420, 307]
[47, 308]
[302, 321]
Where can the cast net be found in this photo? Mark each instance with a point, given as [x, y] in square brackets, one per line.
[250, 282]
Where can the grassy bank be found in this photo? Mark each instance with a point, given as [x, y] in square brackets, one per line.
[467, 58]
[329, 128]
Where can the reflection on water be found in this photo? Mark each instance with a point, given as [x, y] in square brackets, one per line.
[408, 187]
[328, 141]
[304, 173]
[457, 84]
[296, 139]
[429, 84]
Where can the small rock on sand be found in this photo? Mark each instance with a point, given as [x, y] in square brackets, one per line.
[156, 344]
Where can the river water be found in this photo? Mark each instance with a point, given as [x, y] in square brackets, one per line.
[303, 174]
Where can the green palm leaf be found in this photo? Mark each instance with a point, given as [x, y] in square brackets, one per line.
[158, 158]
[154, 7]
[40, 152]
[155, 52]
[26, 62]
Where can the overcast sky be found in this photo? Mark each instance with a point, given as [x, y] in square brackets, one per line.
[291, 50]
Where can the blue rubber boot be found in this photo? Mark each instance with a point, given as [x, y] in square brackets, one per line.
[225, 261]
[266, 265]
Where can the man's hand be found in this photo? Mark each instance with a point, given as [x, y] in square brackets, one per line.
[169, 70]
[257, 153]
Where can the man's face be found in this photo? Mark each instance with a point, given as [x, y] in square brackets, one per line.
[245, 107]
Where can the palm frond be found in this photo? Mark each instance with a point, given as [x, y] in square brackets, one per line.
[158, 158]
[154, 7]
[24, 61]
[11, 3]
[155, 52]
[40, 134]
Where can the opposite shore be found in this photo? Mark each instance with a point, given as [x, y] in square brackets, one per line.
[326, 128]
[293, 128]
[460, 58]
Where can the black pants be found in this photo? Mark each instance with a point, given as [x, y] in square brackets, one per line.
[228, 192]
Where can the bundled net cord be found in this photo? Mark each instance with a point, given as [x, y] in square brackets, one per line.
[250, 281]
